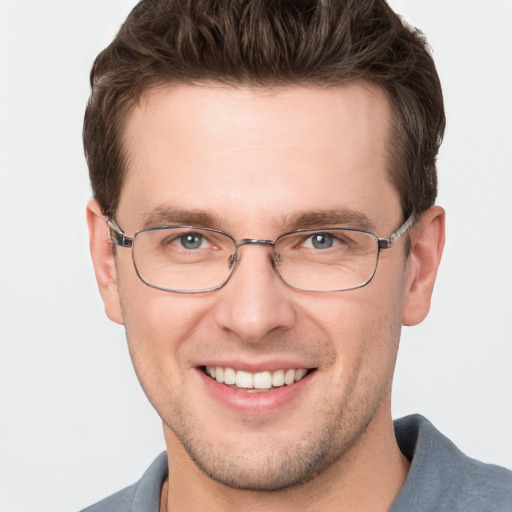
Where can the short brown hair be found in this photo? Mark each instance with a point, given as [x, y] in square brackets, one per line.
[266, 43]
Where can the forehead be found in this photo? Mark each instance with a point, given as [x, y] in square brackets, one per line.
[245, 153]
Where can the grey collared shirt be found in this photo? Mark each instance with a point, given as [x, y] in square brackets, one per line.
[441, 478]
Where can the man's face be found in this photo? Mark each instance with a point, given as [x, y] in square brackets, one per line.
[253, 160]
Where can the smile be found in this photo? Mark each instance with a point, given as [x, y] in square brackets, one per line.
[264, 380]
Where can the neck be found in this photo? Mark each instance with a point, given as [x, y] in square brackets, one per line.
[367, 478]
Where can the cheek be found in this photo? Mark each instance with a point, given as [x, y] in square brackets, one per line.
[157, 324]
[380, 332]
[364, 328]
[157, 320]
[357, 314]
[152, 316]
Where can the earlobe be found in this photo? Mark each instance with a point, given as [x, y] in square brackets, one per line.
[427, 243]
[103, 261]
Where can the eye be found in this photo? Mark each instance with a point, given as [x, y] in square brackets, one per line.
[190, 241]
[321, 241]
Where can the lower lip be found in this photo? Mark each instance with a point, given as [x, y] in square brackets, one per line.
[255, 402]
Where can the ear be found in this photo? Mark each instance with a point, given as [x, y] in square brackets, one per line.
[427, 243]
[104, 261]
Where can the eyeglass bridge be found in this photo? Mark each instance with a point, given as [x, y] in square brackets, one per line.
[276, 258]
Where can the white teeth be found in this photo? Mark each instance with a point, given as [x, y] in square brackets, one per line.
[289, 378]
[259, 380]
[263, 380]
[244, 380]
[300, 373]
[229, 376]
[219, 374]
[278, 378]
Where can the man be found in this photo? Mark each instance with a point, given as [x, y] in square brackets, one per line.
[263, 224]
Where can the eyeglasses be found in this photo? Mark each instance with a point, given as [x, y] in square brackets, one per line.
[188, 259]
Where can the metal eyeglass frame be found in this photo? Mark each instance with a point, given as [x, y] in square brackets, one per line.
[122, 240]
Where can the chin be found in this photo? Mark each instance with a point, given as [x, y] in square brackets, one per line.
[270, 463]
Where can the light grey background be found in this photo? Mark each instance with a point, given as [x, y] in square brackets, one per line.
[74, 425]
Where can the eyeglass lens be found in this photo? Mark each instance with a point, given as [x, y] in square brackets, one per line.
[192, 260]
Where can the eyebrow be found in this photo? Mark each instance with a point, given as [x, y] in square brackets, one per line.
[166, 215]
[329, 218]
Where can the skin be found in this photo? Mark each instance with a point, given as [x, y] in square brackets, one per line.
[252, 159]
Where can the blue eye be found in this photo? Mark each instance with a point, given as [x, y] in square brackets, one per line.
[322, 240]
[191, 240]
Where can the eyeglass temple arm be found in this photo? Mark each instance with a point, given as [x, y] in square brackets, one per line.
[117, 236]
[386, 243]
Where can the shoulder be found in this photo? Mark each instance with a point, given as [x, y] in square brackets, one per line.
[143, 496]
[120, 501]
[442, 478]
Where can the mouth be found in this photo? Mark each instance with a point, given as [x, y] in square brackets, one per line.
[262, 381]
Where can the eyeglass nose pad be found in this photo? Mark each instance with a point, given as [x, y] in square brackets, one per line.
[276, 259]
[233, 258]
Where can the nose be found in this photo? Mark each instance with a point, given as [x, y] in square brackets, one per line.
[255, 302]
